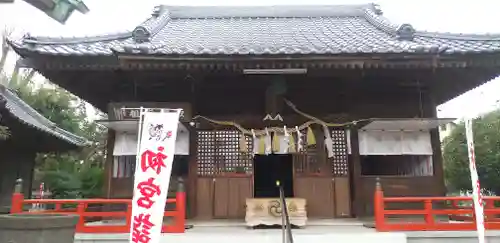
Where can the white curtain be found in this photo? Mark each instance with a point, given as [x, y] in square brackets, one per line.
[126, 143]
[423, 166]
[182, 143]
[417, 143]
[348, 140]
[394, 143]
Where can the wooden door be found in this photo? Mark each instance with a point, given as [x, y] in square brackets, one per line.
[224, 175]
[322, 181]
[319, 195]
[230, 194]
[340, 172]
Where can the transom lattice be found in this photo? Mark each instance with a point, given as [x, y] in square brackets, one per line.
[219, 153]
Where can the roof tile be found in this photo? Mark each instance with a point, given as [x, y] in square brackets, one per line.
[26, 114]
[302, 30]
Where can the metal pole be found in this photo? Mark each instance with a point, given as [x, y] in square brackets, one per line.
[283, 223]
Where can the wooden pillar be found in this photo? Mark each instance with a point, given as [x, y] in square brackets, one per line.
[192, 174]
[357, 203]
[437, 158]
[192, 180]
[108, 164]
[25, 163]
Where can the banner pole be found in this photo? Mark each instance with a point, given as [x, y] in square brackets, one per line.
[476, 186]
[139, 132]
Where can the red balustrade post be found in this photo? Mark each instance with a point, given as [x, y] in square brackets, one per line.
[128, 217]
[180, 207]
[17, 198]
[80, 210]
[180, 201]
[429, 217]
[379, 207]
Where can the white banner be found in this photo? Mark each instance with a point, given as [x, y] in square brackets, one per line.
[152, 175]
[476, 186]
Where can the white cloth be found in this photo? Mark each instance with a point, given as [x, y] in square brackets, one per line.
[285, 145]
[255, 143]
[268, 143]
[328, 142]
[394, 143]
[300, 146]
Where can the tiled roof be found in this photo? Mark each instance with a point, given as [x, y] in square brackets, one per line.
[288, 30]
[26, 114]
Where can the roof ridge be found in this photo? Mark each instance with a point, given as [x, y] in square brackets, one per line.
[263, 11]
[375, 17]
[149, 28]
[379, 21]
[459, 36]
[404, 32]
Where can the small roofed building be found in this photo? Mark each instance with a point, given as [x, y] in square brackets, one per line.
[324, 99]
[30, 133]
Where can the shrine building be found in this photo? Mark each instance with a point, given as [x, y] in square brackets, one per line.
[324, 99]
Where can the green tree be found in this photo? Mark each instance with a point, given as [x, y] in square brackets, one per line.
[74, 174]
[77, 173]
[68, 175]
[487, 150]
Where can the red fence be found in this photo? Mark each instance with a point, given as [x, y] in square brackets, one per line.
[438, 213]
[84, 206]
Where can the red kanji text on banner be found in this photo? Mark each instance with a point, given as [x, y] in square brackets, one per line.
[157, 135]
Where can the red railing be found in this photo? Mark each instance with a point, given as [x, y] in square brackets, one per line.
[83, 206]
[437, 213]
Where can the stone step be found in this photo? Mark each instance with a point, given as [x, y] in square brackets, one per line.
[260, 237]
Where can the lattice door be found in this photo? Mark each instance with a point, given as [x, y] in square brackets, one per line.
[310, 163]
[219, 153]
[307, 162]
[339, 160]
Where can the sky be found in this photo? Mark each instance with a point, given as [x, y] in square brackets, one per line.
[107, 16]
